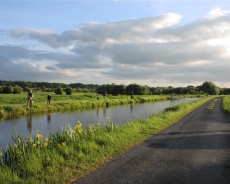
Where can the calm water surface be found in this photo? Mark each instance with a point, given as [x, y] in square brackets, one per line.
[48, 123]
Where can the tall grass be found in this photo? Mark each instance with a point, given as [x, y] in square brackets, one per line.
[70, 153]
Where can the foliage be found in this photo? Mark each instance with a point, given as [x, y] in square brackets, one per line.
[71, 153]
[8, 89]
[69, 90]
[210, 88]
[114, 89]
[58, 91]
[17, 89]
[135, 89]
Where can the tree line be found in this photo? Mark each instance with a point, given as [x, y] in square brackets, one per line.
[207, 88]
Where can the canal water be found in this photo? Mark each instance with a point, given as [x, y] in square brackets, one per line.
[47, 123]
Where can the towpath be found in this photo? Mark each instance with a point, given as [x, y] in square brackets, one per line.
[196, 150]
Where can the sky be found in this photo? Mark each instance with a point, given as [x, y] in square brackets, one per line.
[156, 42]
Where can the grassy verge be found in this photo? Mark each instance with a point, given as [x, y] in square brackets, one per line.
[70, 153]
[65, 102]
[226, 105]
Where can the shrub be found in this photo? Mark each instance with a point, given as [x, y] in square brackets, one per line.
[69, 90]
[17, 89]
[58, 91]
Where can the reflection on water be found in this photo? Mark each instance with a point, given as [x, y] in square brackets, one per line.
[48, 119]
[44, 125]
[29, 123]
[131, 108]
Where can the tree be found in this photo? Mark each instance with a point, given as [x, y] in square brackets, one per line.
[210, 88]
[135, 89]
[69, 90]
[8, 89]
[17, 89]
[58, 91]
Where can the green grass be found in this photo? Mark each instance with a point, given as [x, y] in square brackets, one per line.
[72, 152]
[16, 104]
[226, 104]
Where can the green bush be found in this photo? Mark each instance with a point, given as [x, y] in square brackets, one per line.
[69, 90]
[58, 91]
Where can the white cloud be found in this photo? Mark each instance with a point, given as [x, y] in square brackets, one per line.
[156, 51]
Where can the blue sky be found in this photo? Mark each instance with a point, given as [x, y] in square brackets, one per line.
[154, 43]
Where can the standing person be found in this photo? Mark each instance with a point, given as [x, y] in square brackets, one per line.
[132, 95]
[30, 97]
[48, 98]
[105, 95]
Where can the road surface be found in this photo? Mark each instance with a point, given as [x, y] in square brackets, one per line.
[196, 150]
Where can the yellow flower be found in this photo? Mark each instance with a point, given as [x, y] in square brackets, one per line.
[45, 144]
[19, 140]
[63, 144]
[39, 136]
[15, 146]
[34, 145]
[38, 142]
[46, 139]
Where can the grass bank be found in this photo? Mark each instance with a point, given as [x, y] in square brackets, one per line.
[15, 104]
[226, 105]
[71, 153]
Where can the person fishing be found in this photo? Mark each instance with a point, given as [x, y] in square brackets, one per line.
[30, 97]
[48, 98]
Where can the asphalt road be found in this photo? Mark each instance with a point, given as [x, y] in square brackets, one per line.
[196, 150]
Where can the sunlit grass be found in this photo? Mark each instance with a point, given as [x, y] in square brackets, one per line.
[212, 105]
[226, 104]
[72, 152]
[16, 104]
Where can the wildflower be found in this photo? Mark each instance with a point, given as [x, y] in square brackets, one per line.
[63, 144]
[46, 139]
[34, 145]
[39, 136]
[19, 140]
[78, 128]
[19, 152]
[38, 142]
[45, 144]
[15, 146]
